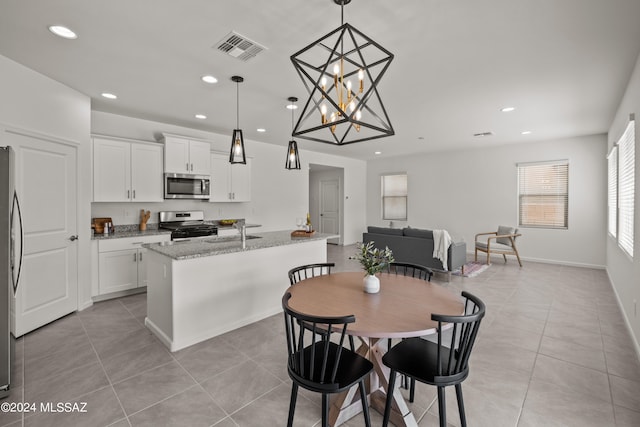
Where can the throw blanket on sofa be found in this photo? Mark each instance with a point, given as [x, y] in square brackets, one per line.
[441, 242]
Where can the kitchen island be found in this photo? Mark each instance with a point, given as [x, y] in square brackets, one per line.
[203, 288]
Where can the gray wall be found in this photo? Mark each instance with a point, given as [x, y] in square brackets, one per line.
[623, 271]
[36, 104]
[473, 191]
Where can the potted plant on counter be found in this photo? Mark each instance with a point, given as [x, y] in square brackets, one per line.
[373, 261]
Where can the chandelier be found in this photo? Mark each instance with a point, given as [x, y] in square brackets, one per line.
[341, 71]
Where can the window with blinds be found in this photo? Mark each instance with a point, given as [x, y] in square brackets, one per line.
[626, 187]
[543, 194]
[612, 191]
[394, 197]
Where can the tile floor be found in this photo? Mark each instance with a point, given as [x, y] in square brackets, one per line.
[553, 351]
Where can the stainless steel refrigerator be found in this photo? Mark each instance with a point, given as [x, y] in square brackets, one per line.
[10, 263]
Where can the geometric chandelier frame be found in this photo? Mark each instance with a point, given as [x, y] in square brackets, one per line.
[341, 72]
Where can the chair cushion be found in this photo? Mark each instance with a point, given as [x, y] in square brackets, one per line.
[503, 229]
[416, 232]
[385, 230]
[494, 246]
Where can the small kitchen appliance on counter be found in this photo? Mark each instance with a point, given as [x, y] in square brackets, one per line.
[186, 225]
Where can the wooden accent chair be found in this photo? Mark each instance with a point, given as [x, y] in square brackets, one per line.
[316, 363]
[502, 242]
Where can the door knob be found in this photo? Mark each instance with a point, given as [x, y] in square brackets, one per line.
[73, 238]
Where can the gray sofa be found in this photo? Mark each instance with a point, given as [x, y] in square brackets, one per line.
[415, 246]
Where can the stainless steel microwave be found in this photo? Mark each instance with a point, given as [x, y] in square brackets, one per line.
[183, 186]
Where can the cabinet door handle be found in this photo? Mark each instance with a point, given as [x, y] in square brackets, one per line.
[128, 194]
[135, 257]
[134, 194]
[140, 257]
[187, 164]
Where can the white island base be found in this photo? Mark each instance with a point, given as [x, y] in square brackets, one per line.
[191, 300]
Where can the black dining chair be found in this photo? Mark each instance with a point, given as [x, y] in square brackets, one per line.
[442, 363]
[317, 364]
[411, 270]
[309, 271]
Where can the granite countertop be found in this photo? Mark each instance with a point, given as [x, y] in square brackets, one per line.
[131, 230]
[227, 245]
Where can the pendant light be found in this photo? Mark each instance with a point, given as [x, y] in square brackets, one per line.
[341, 71]
[293, 157]
[237, 141]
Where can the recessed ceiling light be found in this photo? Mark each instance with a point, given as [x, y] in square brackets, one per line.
[526, 132]
[378, 152]
[109, 95]
[292, 106]
[507, 109]
[261, 130]
[63, 32]
[209, 79]
[201, 116]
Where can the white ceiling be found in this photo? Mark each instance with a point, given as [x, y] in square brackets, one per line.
[563, 64]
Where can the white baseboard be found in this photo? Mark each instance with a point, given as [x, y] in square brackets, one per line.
[636, 345]
[541, 260]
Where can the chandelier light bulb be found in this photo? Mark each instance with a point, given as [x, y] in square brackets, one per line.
[323, 111]
[348, 90]
[238, 148]
[361, 78]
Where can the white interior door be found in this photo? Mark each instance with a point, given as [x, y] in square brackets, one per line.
[330, 208]
[46, 184]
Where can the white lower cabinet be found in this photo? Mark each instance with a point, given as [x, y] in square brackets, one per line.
[122, 263]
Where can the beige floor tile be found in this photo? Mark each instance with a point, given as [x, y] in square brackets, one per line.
[549, 405]
[193, 408]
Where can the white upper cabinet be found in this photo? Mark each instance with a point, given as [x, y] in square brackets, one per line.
[186, 156]
[229, 182]
[126, 171]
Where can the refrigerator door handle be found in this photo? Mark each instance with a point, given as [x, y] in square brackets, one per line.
[15, 273]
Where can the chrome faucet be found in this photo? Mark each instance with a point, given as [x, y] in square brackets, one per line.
[242, 227]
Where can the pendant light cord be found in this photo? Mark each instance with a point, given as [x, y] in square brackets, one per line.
[237, 105]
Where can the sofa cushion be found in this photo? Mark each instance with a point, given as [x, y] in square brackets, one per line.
[416, 232]
[502, 230]
[385, 230]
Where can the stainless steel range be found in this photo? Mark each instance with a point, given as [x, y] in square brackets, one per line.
[186, 225]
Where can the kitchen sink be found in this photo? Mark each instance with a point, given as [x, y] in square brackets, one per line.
[230, 239]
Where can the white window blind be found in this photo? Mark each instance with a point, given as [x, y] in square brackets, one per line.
[612, 187]
[543, 194]
[394, 197]
[626, 187]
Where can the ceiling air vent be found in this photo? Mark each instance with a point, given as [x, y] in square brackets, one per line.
[482, 134]
[239, 46]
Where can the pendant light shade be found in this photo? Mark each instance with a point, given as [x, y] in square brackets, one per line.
[293, 157]
[237, 154]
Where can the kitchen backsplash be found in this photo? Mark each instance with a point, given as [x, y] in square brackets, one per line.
[129, 213]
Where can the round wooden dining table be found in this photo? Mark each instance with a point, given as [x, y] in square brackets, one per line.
[402, 309]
